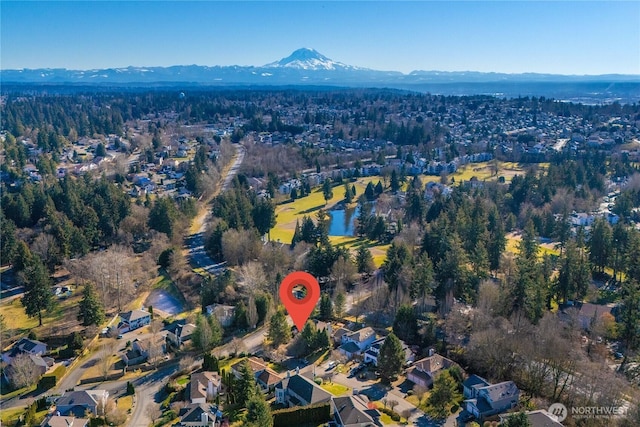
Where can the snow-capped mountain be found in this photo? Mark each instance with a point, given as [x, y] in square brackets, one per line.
[309, 67]
[310, 59]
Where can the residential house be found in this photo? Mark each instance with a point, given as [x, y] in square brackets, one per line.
[266, 377]
[24, 346]
[371, 355]
[224, 313]
[40, 365]
[179, 332]
[60, 421]
[198, 415]
[539, 418]
[354, 411]
[424, 371]
[484, 399]
[204, 386]
[133, 319]
[337, 335]
[589, 313]
[142, 349]
[357, 342]
[297, 390]
[80, 402]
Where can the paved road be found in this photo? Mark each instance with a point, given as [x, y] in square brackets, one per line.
[195, 242]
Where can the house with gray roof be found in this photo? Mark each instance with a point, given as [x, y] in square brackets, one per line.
[424, 371]
[78, 403]
[483, 399]
[24, 346]
[297, 390]
[60, 421]
[539, 418]
[197, 415]
[179, 333]
[354, 411]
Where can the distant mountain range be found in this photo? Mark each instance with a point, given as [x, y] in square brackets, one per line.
[309, 67]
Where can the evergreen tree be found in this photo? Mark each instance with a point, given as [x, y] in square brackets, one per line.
[405, 324]
[391, 358]
[348, 197]
[630, 316]
[327, 190]
[264, 216]
[258, 412]
[600, 244]
[339, 304]
[308, 336]
[210, 363]
[444, 394]
[279, 332]
[245, 385]
[240, 316]
[378, 189]
[395, 182]
[37, 289]
[91, 310]
[326, 307]
[297, 235]
[397, 256]
[369, 192]
[163, 215]
[364, 260]
[519, 419]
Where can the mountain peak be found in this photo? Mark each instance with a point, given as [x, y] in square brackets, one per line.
[309, 59]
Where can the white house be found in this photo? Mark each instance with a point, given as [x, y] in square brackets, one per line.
[357, 342]
[133, 319]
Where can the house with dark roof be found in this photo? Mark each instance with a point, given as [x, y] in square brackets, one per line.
[355, 411]
[78, 403]
[483, 399]
[179, 333]
[60, 421]
[198, 415]
[204, 386]
[424, 371]
[141, 350]
[297, 390]
[539, 418]
[24, 346]
[134, 319]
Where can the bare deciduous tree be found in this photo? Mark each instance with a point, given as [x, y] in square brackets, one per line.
[23, 371]
[153, 412]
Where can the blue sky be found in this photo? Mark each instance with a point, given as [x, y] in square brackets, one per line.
[576, 37]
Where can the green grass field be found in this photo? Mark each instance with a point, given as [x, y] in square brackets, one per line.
[336, 389]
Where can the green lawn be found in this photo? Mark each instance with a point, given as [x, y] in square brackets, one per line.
[336, 389]
[183, 380]
[10, 416]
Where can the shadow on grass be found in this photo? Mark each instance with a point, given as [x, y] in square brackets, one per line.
[310, 210]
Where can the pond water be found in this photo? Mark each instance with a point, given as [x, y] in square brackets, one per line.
[343, 221]
[164, 301]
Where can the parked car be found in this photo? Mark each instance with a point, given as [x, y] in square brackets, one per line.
[332, 364]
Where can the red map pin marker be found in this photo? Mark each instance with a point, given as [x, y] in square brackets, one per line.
[299, 292]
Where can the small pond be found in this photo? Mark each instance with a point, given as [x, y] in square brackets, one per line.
[343, 221]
